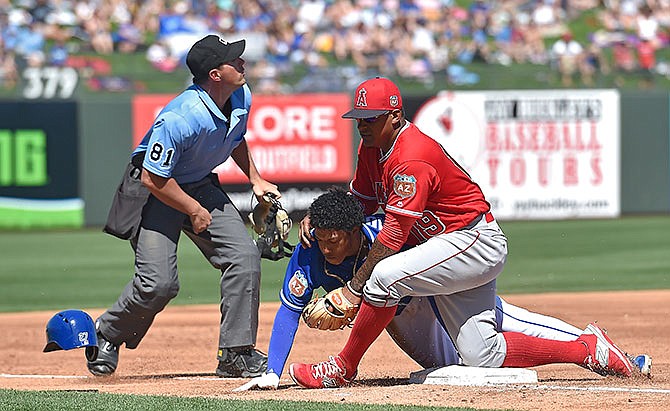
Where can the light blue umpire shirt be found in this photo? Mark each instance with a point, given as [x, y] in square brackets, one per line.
[191, 136]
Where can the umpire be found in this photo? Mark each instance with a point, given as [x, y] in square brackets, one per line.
[198, 130]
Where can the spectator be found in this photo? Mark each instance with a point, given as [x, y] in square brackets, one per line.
[647, 26]
[30, 40]
[646, 61]
[517, 47]
[567, 54]
[97, 28]
[128, 38]
[8, 72]
[58, 54]
[40, 10]
[280, 43]
[362, 47]
[264, 79]
[594, 63]
[624, 60]
[536, 52]
[548, 16]
[502, 30]
[628, 11]
[160, 57]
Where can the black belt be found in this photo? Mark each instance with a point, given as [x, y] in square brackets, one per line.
[210, 179]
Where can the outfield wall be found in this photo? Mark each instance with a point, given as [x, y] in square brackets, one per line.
[85, 145]
[645, 147]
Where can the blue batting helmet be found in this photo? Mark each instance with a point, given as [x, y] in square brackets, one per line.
[72, 329]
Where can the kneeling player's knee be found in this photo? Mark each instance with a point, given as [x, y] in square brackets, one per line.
[478, 357]
[480, 346]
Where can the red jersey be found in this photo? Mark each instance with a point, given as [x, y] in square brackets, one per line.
[417, 180]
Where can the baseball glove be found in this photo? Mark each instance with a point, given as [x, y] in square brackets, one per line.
[332, 312]
[273, 225]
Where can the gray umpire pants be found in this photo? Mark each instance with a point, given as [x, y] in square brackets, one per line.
[227, 246]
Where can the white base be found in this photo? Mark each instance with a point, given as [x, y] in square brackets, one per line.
[462, 375]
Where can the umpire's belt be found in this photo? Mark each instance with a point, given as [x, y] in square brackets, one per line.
[487, 216]
[210, 179]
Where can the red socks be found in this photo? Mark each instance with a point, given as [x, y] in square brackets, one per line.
[526, 351]
[522, 350]
[369, 324]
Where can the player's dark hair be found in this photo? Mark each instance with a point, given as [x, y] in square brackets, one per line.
[336, 209]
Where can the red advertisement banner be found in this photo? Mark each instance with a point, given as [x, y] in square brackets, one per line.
[293, 138]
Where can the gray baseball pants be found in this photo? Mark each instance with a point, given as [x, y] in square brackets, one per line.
[459, 269]
[227, 246]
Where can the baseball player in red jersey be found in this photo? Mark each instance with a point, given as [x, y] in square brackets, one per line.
[439, 239]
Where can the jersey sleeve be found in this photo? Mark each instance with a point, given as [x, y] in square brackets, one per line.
[298, 287]
[395, 231]
[284, 329]
[410, 185]
[165, 144]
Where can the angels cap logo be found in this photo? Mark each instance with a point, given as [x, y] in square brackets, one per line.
[361, 100]
[222, 41]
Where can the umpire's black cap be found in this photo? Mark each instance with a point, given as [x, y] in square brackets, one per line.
[210, 52]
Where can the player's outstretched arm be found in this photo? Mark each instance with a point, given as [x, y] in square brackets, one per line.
[283, 334]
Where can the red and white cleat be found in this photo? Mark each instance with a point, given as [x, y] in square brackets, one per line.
[326, 374]
[604, 358]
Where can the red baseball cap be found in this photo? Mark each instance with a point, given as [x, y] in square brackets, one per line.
[375, 97]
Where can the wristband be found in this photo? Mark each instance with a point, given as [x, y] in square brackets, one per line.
[358, 294]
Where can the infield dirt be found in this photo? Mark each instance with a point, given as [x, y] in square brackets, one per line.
[177, 357]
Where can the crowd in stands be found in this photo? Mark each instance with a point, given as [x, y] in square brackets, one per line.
[413, 39]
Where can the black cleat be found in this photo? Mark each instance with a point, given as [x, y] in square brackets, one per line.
[241, 362]
[107, 359]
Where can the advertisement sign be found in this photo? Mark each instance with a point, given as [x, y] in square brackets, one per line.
[39, 173]
[293, 138]
[547, 154]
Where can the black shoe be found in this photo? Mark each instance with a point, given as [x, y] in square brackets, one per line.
[107, 359]
[241, 362]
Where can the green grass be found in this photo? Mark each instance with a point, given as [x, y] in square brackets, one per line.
[55, 401]
[51, 270]
[584, 255]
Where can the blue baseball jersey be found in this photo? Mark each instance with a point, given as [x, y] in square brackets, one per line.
[191, 135]
[308, 270]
